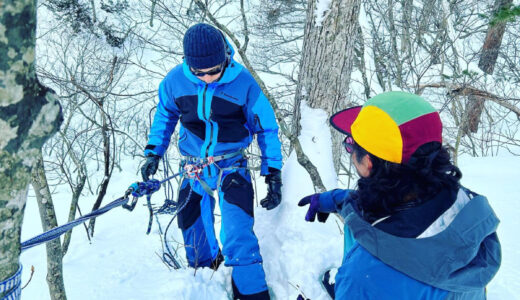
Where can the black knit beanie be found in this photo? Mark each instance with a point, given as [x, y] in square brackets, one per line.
[203, 46]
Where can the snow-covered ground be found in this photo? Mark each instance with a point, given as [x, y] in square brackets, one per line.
[498, 179]
[122, 262]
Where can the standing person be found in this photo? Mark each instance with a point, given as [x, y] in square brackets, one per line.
[418, 233]
[220, 107]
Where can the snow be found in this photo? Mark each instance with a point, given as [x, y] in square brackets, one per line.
[322, 6]
[122, 262]
[497, 179]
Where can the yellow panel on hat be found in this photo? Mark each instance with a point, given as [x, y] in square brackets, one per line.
[377, 132]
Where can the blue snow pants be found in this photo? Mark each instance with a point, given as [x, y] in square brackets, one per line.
[240, 244]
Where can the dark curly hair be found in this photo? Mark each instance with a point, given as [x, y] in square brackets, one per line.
[392, 187]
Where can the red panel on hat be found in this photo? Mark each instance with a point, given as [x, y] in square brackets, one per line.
[419, 131]
[342, 120]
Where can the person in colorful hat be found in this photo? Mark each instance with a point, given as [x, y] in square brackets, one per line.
[412, 231]
[220, 108]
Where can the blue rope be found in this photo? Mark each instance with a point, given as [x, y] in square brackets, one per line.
[58, 231]
[136, 189]
[169, 257]
[12, 286]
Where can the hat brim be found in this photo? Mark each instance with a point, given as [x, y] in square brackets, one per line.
[342, 120]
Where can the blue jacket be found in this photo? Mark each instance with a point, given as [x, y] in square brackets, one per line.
[452, 257]
[216, 118]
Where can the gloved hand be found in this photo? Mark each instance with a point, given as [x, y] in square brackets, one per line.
[274, 189]
[150, 166]
[314, 201]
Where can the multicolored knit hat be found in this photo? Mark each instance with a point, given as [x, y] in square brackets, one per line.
[391, 125]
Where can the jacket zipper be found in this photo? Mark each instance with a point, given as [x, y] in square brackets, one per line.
[210, 124]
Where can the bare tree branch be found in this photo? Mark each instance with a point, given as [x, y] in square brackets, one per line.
[459, 90]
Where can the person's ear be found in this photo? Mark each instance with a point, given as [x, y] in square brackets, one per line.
[365, 166]
[368, 163]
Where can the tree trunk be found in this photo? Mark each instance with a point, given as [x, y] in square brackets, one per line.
[108, 166]
[474, 108]
[493, 40]
[29, 115]
[327, 61]
[488, 59]
[49, 221]
[76, 193]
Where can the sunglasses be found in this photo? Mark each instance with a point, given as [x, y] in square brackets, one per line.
[349, 143]
[210, 72]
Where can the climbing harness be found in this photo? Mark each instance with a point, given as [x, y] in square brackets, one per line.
[191, 168]
[12, 286]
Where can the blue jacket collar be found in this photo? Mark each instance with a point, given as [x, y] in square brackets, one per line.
[412, 221]
[464, 256]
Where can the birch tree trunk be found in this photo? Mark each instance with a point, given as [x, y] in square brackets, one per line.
[29, 115]
[49, 221]
[327, 62]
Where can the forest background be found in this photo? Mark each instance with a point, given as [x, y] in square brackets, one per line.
[102, 61]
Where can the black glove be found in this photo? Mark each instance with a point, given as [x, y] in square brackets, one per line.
[274, 189]
[150, 166]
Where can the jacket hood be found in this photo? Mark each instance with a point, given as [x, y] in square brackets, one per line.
[231, 72]
[459, 252]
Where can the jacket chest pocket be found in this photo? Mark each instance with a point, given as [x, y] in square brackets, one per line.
[223, 110]
[231, 120]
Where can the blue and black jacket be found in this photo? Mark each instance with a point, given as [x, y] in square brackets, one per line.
[445, 248]
[216, 118]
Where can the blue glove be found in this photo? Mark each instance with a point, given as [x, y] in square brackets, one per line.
[314, 201]
[150, 166]
[274, 189]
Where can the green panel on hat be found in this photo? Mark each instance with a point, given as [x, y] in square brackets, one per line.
[401, 106]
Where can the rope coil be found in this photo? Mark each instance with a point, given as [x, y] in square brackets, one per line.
[12, 286]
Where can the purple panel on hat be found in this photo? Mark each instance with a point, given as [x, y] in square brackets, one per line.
[419, 131]
[342, 120]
